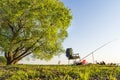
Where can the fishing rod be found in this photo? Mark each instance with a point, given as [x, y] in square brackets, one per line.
[97, 50]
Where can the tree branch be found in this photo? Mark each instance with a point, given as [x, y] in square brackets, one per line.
[22, 40]
[11, 28]
[6, 55]
[19, 58]
[4, 35]
[16, 52]
[26, 51]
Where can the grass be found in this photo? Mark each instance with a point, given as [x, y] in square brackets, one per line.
[59, 72]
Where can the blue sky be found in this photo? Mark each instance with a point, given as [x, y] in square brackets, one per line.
[95, 22]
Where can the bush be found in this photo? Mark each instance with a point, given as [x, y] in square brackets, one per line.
[2, 60]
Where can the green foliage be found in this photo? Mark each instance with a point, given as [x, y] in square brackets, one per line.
[33, 26]
[20, 75]
[63, 72]
[2, 60]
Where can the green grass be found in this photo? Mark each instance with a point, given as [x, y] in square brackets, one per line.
[59, 72]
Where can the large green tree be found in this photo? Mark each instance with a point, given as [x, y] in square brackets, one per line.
[36, 27]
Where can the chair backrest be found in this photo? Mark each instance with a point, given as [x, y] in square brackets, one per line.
[69, 52]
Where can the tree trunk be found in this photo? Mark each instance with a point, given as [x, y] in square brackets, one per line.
[11, 62]
[10, 59]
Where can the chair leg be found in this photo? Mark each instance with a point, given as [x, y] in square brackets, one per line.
[68, 61]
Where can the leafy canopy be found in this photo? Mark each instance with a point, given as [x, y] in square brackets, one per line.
[35, 27]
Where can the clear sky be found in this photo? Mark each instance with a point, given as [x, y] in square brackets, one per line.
[95, 22]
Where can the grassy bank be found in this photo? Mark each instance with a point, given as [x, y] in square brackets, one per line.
[62, 72]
